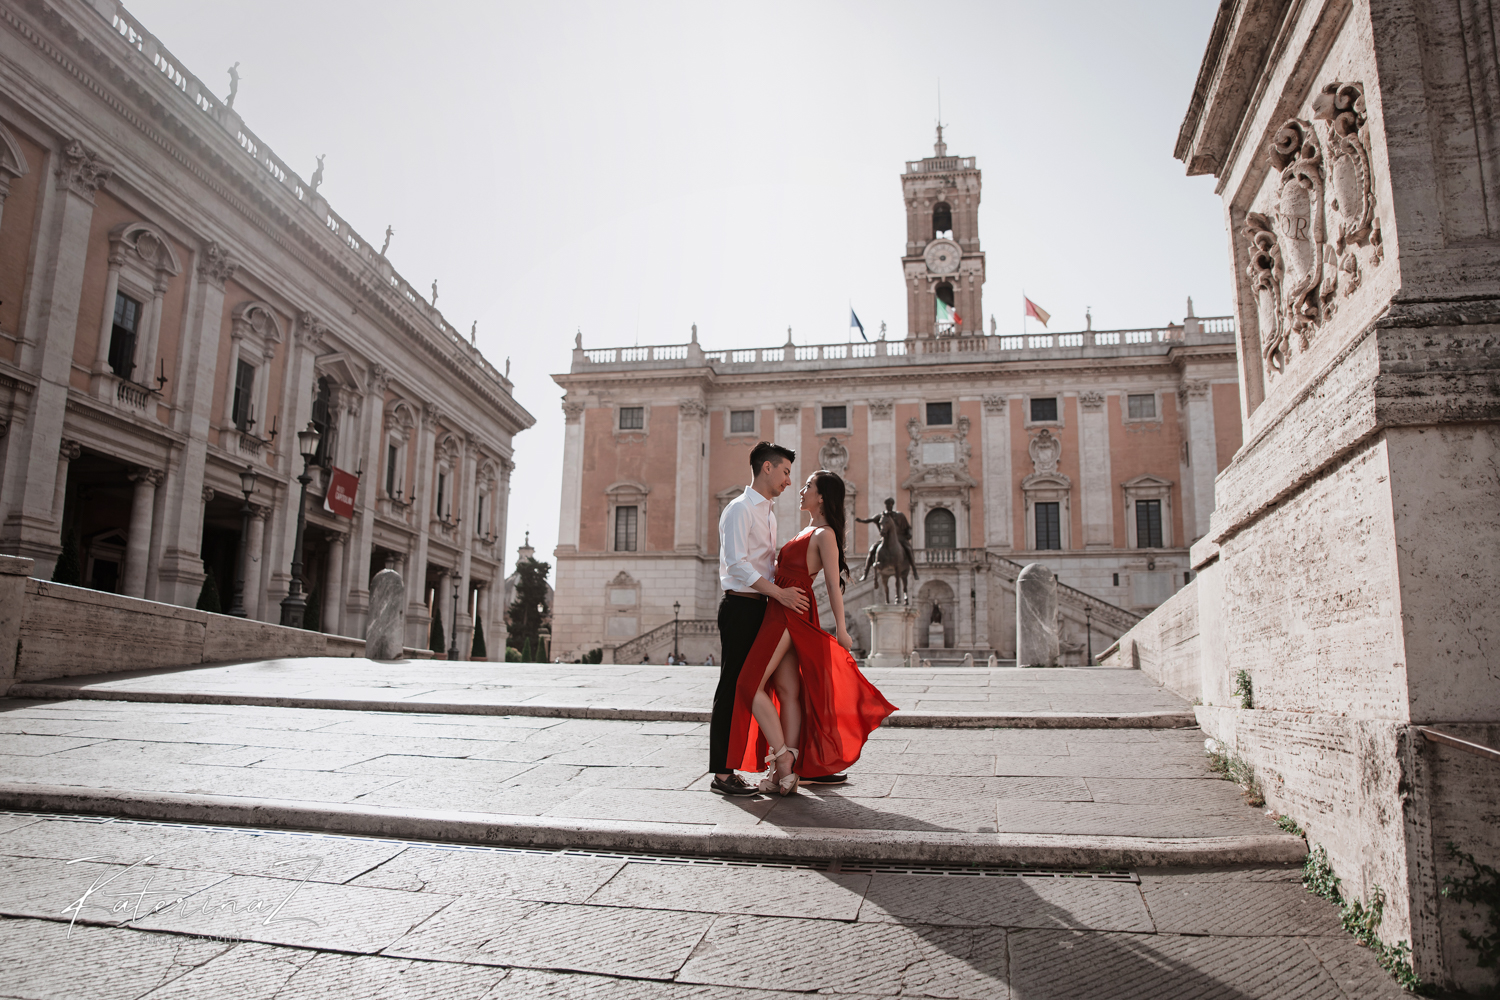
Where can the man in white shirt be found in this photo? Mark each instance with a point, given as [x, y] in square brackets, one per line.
[747, 565]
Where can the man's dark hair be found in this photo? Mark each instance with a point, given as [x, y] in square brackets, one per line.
[765, 451]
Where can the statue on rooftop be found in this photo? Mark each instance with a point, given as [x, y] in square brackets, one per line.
[434, 292]
[234, 85]
[317, 177]
[389, 232]
[474, 333]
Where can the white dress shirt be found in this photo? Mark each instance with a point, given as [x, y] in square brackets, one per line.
[747, 541]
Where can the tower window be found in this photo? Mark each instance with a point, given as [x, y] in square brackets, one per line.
[1148, 524]
[942, 221]
[941, 529]
[742, 421]
[625, 528]
[244, 382]
[939, 414]
[123, 335]
[1048, 525]
[835, 418]
[632, 418]
[1044, 409]
[1142, 406]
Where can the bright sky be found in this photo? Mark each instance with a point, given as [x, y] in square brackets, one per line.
[629, 169]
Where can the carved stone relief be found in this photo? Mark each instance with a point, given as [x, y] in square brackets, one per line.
[1091, 400]
[833, 456]
[994, 404]
[1302, 255]
[1045, 451]
[880, 409]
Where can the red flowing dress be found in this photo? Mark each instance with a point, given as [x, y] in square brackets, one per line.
[840, 708]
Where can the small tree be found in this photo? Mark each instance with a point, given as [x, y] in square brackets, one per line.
[529, 610]
[312, 615]
[512, 654]
[479, 652]
[208, 597]
[437, 637]
[67, 569]
[595, 655]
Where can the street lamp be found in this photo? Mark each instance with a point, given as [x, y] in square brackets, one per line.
[1088, 619]
[676, 610]
[294, 604]
[247, 487]
[453, 623]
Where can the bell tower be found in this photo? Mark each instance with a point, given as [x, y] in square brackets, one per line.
[943, 265]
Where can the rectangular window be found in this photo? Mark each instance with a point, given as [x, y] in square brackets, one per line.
[632, 418]
[479, 515]
[123, 335]
[939, 414]
[1117, 579]
[244, 382]
[835, 418]
[1142, 406]
[1148, 524]
[625, 521]
[742, 421]
[1049, 525]
[1044, 409]
[390, 470]
[442, 491]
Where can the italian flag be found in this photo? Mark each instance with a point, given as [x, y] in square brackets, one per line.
[947, 314]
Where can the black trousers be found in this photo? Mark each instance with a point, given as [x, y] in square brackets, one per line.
[739, 622]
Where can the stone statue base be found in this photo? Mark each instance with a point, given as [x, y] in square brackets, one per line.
[386, 630]
[892, 634]
[1036, 617]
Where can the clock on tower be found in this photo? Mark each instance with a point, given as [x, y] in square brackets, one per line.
[943, 265]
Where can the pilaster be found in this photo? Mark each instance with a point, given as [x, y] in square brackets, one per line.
[572, 477]
[995, 440]
[1097, 493]
[788, 505]
[688, 525]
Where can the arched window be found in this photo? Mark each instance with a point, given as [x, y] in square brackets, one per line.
[946, 318]
[941, 529]
[322, 418]
[942, 221]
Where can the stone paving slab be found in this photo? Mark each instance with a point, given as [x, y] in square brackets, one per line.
[431, 920]
[1059, 698]
[950, 794]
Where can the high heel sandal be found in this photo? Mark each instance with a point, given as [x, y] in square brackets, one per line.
[786, 785]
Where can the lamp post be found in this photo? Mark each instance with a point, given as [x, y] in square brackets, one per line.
[453, 623]
[1088, 619]
[294, 604]
[676, 611]
[247, 487]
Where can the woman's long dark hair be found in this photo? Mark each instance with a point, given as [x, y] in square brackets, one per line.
[831, 488]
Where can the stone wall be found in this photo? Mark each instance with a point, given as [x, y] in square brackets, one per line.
[1165, 645]
[50, 630]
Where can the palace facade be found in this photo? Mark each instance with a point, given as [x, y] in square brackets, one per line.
[176, 303]
[1093, 452]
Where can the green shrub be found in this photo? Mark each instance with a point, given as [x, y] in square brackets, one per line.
[1243, 690]
[208, 597]
[478, 651]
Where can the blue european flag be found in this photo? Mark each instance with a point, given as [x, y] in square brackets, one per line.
[854, 321]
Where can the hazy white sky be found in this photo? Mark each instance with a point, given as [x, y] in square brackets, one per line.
[628, 168]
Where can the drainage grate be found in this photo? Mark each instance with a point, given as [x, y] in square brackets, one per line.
[855, 867]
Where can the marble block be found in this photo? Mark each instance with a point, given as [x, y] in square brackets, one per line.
[891, 633]
[1036, 617]
[386, 633]
[935, 638]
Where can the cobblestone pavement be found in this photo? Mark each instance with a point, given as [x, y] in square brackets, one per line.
[100, 908]
[1140, 783]
[651, 690]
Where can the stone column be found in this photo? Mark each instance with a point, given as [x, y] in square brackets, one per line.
[688, 531]
[65, 454]
[146, 349]
[255, 562]
[442, 606]
[1036, 617]
[1202, 459]
[236, 338]
[572, 478]
[1095, 487]
[363, 529]
[26, 499]
[138, 547]
[789, 434]
[13, 165]
[181, 561]
[333, 584]
[422, 508]
[881, 458]
[102, 386]
[465, 476]
[296, 411]
[995, 440]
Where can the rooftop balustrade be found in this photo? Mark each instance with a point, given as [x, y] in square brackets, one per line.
[917, 350]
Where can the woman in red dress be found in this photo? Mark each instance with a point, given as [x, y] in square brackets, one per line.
[826, 706]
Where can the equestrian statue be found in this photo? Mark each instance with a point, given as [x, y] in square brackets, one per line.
[891, 555]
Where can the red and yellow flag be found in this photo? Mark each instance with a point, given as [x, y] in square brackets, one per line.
[1036, 312]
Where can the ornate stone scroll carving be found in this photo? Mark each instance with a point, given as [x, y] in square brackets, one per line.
[1091, 400]
[310, 330]
[572, 410]
[788, 411]
[81, 171]
[691, 408]
[880, 409]
[1302, 252]
[1045, 451]
[994, 404]
[215, 265]
[833, 456]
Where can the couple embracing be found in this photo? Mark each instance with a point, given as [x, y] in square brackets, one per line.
[790, 695]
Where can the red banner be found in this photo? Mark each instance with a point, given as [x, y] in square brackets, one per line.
[342, 488]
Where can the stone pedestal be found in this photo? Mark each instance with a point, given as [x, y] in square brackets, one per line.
[935, 636]
[892, 628]
[1036, 617]
[386, 631]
